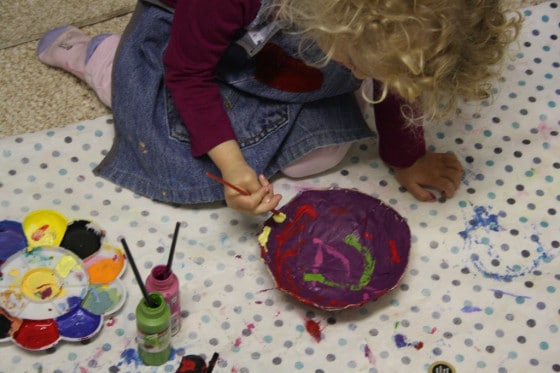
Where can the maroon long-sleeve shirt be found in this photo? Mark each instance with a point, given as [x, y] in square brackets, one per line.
[200, 34]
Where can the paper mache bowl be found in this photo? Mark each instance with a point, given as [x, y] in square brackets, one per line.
[336, 249]
[58, 280]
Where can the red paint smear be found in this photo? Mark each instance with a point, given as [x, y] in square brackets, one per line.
[39, 233]
[339, 211]
[369, 355]
[111, 321]
[434, 329]
[368, 236]
[418, 345]
[237, 342]
[395, 258]
[314, 329]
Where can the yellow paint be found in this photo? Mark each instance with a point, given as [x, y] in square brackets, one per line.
[279, 218]
[40, 284]
[65, 265]
[44, 228]
[14, 272]
[263, 237]
[105, 271]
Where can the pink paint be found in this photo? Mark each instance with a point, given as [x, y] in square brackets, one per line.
[237, 342]
[314, 329]
[331, 251]
[369, 355]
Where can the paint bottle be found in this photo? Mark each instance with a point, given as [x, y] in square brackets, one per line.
[154, 332]
[166, 282]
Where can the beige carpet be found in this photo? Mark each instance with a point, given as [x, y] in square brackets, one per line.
[35, 97]
[27, 20]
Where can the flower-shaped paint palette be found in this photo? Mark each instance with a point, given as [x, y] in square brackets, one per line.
[58, 280]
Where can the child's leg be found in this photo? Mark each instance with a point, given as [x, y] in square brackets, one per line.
[317, 161]
[90, 59]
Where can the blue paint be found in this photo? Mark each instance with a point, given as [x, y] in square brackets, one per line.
[497, 291]
[471, 309]
[400, 341]
[12, 238]
[78, 324]
[482, 219]
[130, 356]
[479, 237]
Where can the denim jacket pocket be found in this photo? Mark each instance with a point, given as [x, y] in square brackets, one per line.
[254, 119]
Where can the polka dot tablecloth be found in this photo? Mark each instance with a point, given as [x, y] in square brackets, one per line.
[481, 292]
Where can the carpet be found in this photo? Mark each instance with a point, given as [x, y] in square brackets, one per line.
[24, 21]
[480, 292]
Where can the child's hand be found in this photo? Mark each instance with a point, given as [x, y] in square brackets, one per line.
[441, 171]
[261, 197]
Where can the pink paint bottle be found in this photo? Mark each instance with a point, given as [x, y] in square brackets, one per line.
[165, 282]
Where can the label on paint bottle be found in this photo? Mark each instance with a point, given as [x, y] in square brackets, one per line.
[153, 343]
[153, 324]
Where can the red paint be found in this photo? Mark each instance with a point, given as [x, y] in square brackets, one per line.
[434, 329]
[419, 345]
[314, 329]
[111, 321]
[39, 233]
[237, 342]
[395, 258]
[37, 334]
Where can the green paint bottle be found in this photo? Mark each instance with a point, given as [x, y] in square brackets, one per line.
[154, 330]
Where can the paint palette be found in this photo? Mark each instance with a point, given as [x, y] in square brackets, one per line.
[338, 248]
[50, 293]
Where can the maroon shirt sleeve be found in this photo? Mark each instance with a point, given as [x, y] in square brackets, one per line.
[200, 33]
[400, 143]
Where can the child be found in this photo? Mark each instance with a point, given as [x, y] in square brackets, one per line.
[248, 88]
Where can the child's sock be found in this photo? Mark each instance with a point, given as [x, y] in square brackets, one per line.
[93, 44]
[65, 47]
[99, 65]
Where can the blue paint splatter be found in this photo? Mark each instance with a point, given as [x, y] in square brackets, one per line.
[130, 356]
[471, 309]
[401, 341]
[483, 230]
[482, 219]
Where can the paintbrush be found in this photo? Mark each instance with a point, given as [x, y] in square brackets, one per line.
[279, 216]
[172, 250]
[212, 362]
[137, 275]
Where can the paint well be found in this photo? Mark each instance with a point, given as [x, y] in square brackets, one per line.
[83, 238]
[37, 334]
[79, 324]
[44, 228]
[12, 239]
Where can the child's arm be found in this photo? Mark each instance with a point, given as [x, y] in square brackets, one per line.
[195, 47]
[403, 148]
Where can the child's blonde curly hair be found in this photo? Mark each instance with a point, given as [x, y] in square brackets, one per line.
[435, 50]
